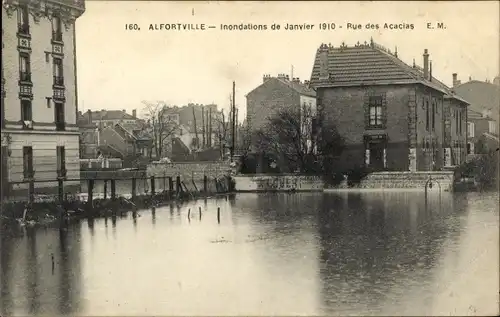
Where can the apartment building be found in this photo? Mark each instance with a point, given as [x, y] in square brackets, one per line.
[39, 94]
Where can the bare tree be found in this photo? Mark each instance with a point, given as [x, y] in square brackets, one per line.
[293, 137]
[159, 125]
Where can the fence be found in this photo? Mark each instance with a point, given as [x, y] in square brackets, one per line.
[128, 186]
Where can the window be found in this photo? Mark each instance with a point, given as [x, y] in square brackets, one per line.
[24, 67]
[23, 20]
[470, 129]
[460, 122]
[61, 161]
[59, 115]
[28, 161]
[26, 110]
[492, 127]
[56, 28]
[375, 108]
[427, 115]
[58, 72]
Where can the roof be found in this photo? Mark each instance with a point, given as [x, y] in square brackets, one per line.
[299, 87]
[481, 95]
[108, 115]
[369, 64]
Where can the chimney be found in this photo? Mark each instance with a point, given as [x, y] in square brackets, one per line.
[296, 80]
[426, 64]
[306, 82]
[282, 76]
[430, 71]
[124, 111]
[265, 78]
[89, 112]
[287, 77]
[134, 113]
[455, 81]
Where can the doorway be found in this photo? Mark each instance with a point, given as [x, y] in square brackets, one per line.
[376, 155]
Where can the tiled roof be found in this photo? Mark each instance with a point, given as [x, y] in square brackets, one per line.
[369, 64]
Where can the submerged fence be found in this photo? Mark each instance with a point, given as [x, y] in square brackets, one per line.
[96, 187]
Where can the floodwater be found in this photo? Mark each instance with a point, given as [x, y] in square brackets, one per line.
[271, 254]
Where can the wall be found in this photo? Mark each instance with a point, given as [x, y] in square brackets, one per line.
[189, 170]
[345, 108]
[44, 158]
[429, 141]
[266, 183]
[268, 98]
[409, 180]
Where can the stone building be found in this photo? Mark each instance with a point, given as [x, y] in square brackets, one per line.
[278, 93]
[39, 93]
[393, 116]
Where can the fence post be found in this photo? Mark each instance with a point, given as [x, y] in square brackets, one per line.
[31, 191]
[205, 184]
[134, 188]
[170, 184]
[178, 184]
[90, 188]
[60, 190]
[113, 189]
[105, 189]
[152, 185]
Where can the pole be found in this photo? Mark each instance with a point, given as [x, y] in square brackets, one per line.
[233, 121]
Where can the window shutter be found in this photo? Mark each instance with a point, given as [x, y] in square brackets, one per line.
[367, 110]
[384, 110]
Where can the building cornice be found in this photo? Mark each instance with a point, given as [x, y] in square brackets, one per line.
[67, 10]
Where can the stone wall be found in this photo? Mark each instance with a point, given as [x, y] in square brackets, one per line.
[189, 170]
[266, 183]
[409, 180]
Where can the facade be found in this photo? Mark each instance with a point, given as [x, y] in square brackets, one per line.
[39, 94]
[276, 93]
[482, 132]
[393, 116]
[484, 98]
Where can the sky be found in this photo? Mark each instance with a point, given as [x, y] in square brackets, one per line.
[120, 68]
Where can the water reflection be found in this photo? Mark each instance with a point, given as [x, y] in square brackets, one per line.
[273, 254]
[42, 275]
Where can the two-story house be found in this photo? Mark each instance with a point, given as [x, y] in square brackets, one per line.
[39, 95]
[391, 115]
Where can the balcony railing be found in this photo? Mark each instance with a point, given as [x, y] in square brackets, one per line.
[57, 36]
[23, 28]
[25, 76]
[58, 80]
[60, 126]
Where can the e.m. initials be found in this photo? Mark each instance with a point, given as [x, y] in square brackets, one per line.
[437, 25]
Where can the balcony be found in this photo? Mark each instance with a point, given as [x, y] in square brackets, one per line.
[57, 36]
[25, 77]
[59, 81]
[23, 29]
[60, 126]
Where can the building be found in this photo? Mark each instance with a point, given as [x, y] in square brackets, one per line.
[484, 99]
[482, 132]
[393, 116]
[482, 95]
[277, 93]
[116, 134]
[39, 93]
